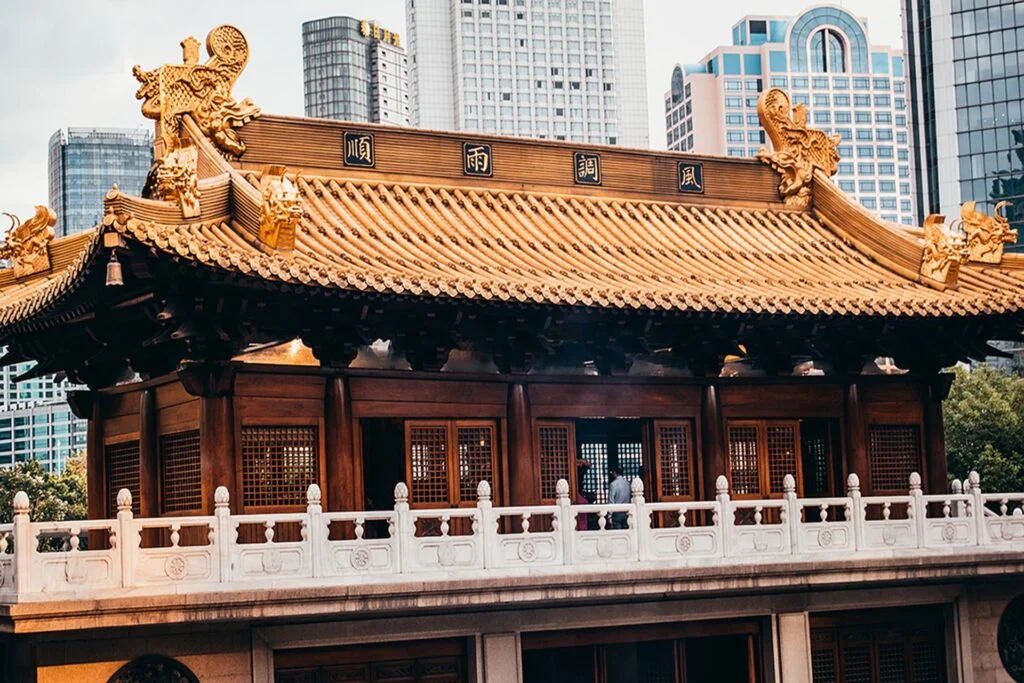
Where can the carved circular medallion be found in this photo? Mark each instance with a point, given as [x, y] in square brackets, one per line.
[360, 558]
[825, 538]
[949, 533]
[527, 551]
[683, 544]
[446, 555]
[1010, 638]
[272, 562]
[175, 567]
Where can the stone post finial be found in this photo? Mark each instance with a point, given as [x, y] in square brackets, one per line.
[636, 490]
[313, 495]
[956, 487]
[974, 481]
[853, 483]
[721, 485]
[483, 490]
[221, 498]
[124, 500]
[401, 493]
[562, 490]
[21, 504]
[788, 484]
[915, 481]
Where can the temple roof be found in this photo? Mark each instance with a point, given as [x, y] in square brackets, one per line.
[365, 210]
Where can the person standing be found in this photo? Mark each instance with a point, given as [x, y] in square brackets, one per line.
[618, 494]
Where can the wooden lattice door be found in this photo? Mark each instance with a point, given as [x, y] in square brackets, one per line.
[447, 459]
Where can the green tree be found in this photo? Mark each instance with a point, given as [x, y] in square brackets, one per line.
[984, 421]
[53, 497]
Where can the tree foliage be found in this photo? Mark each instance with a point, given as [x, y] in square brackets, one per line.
[984, 421]
[53, 497]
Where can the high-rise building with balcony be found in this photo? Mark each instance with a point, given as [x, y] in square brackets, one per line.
[354, 70]
[966, 82]
[85, 162]
[825, 59]
[540, 69]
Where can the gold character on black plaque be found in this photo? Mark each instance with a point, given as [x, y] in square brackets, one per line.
[476, 159]
[587, 168]
[359, 149]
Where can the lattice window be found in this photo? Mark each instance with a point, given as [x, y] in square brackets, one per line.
[744, 460]
[817, 463]
[428, 463]
[857, 664]
[783, 455]
[555, 444]
[673, 451]
[122, 473]
[925, 662]
[630, 457]
[476, 458]
[181, 484]
[892, 663]
[279, 464]
[823, 666]
[596, 455]
[894, 452]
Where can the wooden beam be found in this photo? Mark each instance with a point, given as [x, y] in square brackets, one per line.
[217, 450]
[935, 435]
[855, 438]
[524, 480]
[342, 486]
[713, 450]
[149, 501]
[96, 474]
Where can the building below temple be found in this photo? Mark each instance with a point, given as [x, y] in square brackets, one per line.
[355, 392]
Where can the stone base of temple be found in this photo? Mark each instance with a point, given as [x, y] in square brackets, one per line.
[925, 632]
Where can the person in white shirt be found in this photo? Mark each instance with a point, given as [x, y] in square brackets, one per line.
[618, 494]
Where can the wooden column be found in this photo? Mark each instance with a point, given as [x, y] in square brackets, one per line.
[524, 480]
[933, 393]
[95, 469]
[217, 449]
[149, 501]
[714, 460]
[342, 486]
[855, 438]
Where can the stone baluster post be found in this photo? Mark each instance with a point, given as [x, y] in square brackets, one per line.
[225, 532]
[403, 528]
[918, 509]
[24, 544]
[978, 507]
[856, 510]
[566, 523]
[488, 531]
[956, 487]
[127, 537]
[792, 510]
[726, 519]
[316, 531]
[641, 518]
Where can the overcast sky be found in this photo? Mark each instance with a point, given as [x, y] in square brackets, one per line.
[68, 62]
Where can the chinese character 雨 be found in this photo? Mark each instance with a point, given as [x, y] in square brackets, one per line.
[478, 159]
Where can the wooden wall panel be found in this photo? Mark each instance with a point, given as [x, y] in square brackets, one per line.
[277, 385]
[614, 400]
[892, 402]
[316, 145]
[760, 401]
[386, 397]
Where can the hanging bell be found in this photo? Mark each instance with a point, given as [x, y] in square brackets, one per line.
[114, 277]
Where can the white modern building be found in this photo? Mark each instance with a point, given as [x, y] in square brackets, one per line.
[354, 70]
[36, 422]
[556, 69]
[824, 59]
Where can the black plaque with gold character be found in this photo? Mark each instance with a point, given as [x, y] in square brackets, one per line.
[476, 159]
[587, 168]
[359, 150]
[691, 177]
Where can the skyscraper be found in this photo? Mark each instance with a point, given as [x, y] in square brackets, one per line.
[354, 70]
[570, 70]
[824, 59]
[966, 82]
[85, 162]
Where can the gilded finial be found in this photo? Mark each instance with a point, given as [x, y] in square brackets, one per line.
[27, 244]
[986, 235]
[281, 210]
[944, 251]
[797, 149]
[201, 90]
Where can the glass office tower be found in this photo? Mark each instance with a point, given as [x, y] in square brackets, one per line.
[85, 162]
[967, 81]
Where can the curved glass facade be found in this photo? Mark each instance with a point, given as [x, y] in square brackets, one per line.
[807, 23]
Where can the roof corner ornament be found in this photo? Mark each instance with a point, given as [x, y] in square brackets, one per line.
[202, 90]
[175, 178]
[944, 251]
[27, 244]
[798, 150]
[281, 210]
[986, 235]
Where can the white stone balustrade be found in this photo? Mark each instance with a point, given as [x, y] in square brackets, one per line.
[169, 554]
